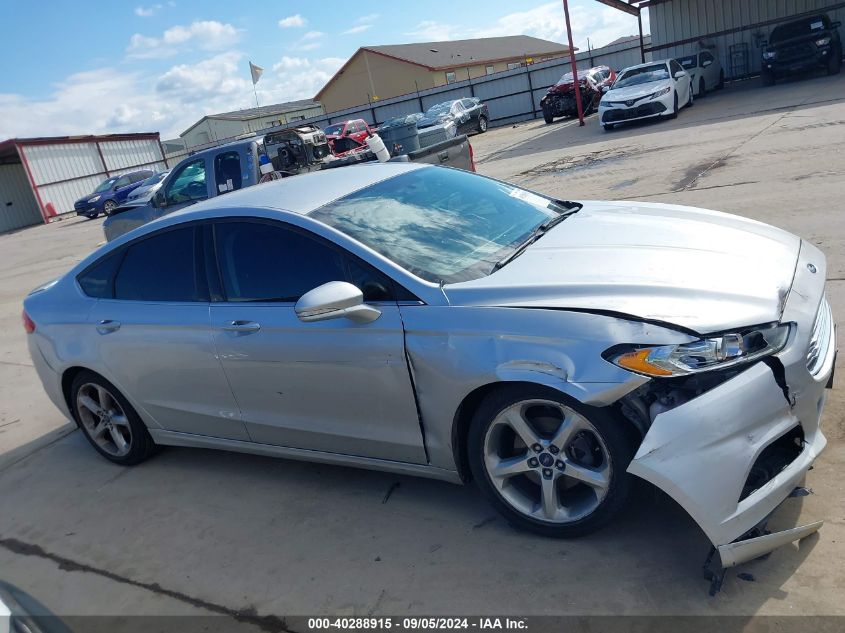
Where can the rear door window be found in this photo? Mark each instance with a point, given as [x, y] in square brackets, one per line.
[227, 172]
[162, 267]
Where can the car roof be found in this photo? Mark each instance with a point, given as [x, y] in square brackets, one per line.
[304, 193]
[654, 63]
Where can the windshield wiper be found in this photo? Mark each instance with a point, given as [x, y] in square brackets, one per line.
[571, 209]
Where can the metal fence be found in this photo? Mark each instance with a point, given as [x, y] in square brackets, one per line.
[511, 96]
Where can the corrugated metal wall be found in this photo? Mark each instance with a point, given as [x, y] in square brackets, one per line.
[65, 171]
[684, 19]
[18, 207]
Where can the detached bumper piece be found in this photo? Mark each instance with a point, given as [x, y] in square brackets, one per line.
[756, 543]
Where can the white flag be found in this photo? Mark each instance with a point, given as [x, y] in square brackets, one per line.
[256, 71]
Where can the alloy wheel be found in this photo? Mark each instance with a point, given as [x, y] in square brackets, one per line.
[547, 461]
[104, 419]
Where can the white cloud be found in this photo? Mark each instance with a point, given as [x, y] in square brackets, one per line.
[601, 25]
[215, 77]
[357, 29]
[308, 42]
[203, 34]
[146, 12]
[297, 78]
[292, 21]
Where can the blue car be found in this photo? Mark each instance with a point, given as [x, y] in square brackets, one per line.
[111, 193]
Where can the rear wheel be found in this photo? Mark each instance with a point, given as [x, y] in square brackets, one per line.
[689, 98]
[721, 83]
[547, 463]
[702, 88]
[768, 78]
[109, 422]
[482, 124]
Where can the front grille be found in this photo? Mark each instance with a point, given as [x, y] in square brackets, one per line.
[795, 51]
[820, 339]
[646, 109]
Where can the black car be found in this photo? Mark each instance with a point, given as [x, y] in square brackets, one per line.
[802, 45]
[468, 115]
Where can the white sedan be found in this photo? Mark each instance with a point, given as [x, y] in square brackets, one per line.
[705, 70]
[652, 90]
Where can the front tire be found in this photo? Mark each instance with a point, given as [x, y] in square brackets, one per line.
[547, 117]
[109, 206]
[108, 421]
[608, 126]
[689, 99]
[721, 83]
[768, 78]
[834, 64]
[548, 463]
[702, 88]
[674, 114]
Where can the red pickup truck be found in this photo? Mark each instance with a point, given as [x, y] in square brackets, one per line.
[356, 129]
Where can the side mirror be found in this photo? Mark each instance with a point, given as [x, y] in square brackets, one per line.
[335, 300]
[158, 200]
[679, 74]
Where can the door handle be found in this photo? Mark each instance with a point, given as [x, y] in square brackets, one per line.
[107, 325]
[241, 326]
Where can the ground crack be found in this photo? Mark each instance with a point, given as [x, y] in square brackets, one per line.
[270, 623]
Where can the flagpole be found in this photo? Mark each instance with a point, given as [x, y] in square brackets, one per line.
[254, 90]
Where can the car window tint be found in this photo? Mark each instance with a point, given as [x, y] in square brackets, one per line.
[227, 172]
[121, 182]
[375, 285]
[266, 262]
[161, 268]
[188, 184]
[97, 280]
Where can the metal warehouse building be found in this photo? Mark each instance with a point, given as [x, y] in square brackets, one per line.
[43, 177]
[735, 30]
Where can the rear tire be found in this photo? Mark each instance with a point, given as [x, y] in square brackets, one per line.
[482, 124]
[689, 99]
[575, 484]
[702, 88]
[108, 421]
[721, 83]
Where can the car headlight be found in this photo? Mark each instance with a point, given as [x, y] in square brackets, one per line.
[661, 92]
[94, 199]
[770, 55]
[713, 352]
[824, 41]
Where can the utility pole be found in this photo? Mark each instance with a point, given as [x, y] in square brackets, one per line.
[575, 83]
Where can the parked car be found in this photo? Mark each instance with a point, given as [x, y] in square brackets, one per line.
[110, 193]
[221, 170]
[559, 100]
[356, 129]
[145, 191]
[429, 321]
[469, 115]
[654, 89]
[802, 45]
[705, 71]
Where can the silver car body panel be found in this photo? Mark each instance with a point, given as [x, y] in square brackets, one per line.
[545, 318]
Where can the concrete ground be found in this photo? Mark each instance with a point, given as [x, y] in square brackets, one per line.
[195, 531]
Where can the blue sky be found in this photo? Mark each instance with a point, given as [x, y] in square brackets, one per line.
[101, 67]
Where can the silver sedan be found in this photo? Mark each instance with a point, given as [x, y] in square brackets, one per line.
[434, 322]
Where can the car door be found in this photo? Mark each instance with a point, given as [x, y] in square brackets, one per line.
[709, 69]
[335, 386]
[473, 110]
[121, 189]
[460, 116]
[682, 83]
[152, 333]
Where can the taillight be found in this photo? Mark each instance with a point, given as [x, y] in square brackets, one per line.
[471, 157]
[28, 324]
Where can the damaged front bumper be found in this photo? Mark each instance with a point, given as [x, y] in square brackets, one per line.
[706, 453]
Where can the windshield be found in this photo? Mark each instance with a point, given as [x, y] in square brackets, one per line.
[155, 179]
[797, 29]
[690, 61]
[105, 185]
[334, 130]
[443, 225]
[439, 109]
[642, 75]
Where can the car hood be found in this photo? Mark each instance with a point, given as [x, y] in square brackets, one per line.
[636, 92]
[701, 270]
[146, 190]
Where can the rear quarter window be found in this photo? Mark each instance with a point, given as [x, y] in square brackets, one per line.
[98, 279]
